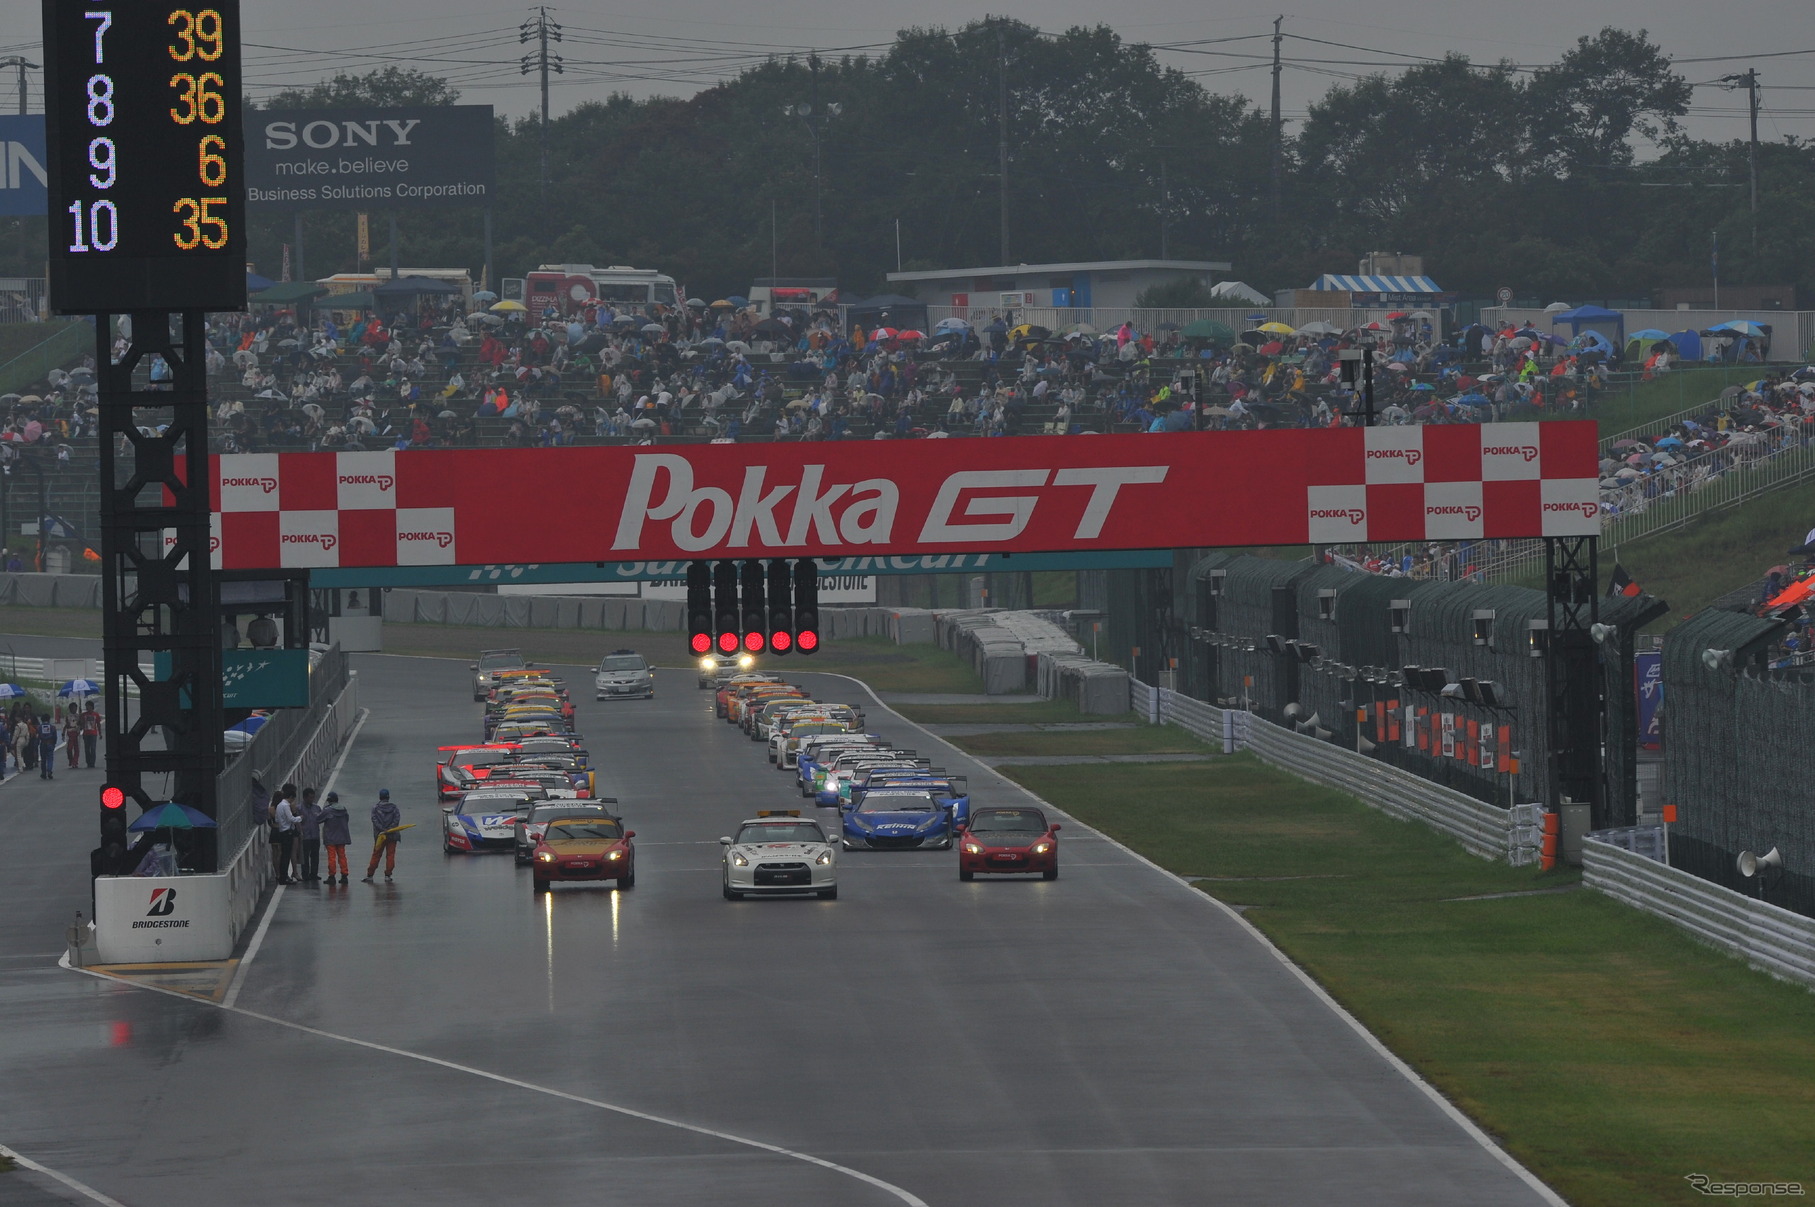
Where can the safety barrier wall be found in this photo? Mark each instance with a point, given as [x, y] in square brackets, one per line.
[278, 746]
[1097, 688]
[1512, 835]
[1769, 938]
[50, 590]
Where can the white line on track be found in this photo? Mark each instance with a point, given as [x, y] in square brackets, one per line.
[277, 894]
[904, 1196]
[87, 1192]
[1443, 1104]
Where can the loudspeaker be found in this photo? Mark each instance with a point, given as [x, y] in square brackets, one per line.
[1751, 865]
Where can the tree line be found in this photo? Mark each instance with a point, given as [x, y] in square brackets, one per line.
[1571, 180]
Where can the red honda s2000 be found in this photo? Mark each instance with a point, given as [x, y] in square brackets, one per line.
[1008, 840]
[584, 848]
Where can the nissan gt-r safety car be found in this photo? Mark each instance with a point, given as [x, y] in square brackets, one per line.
[778, 852]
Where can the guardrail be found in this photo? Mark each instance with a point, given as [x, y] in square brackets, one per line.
[1767, 937]
[1512, 835]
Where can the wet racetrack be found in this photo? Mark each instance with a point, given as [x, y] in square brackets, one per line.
[1107, 1038]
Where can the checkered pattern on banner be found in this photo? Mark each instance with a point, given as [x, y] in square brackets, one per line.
[1448, 482]
[307, 510]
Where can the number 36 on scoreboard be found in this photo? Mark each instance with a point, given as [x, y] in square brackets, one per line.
[143, 117]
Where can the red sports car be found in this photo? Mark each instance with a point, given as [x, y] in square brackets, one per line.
[1008, 840]
[584, 848]
[460, 767]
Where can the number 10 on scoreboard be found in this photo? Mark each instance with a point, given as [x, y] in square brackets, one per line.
[143, 114]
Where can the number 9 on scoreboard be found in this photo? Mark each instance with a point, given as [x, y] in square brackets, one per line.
[142, 105]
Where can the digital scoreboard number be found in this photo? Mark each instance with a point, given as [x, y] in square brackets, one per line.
[147, 198]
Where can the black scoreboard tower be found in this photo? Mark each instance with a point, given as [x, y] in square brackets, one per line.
[142, 105]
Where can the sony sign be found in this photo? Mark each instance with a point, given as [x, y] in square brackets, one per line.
[361, 158]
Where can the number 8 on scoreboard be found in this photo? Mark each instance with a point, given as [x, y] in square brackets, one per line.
[142, 106]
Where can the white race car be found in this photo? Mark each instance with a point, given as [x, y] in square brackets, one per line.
[778, 851]
[486, 821]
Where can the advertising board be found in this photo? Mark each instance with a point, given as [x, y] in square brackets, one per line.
[369, 159]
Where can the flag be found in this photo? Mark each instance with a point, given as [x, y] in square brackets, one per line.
[1622, 584]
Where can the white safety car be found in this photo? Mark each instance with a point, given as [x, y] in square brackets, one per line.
[777, 852]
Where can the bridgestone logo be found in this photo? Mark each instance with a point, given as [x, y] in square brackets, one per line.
[265, 484]
[1588, 509]
[382, 481]
[161, 924]
[443, 539]
[326, 540]
[1526, 451]
[1469, 513]
[1353, 515]
[1411, 456]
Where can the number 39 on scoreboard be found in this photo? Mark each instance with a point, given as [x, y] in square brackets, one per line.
[143, 122]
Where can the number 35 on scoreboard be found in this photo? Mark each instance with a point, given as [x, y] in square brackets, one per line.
[143, 123]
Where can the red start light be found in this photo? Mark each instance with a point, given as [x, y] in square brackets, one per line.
[807, 640]
[701, 643]
[728, 642]
[781, 640]
[113, 798]
[753, 642]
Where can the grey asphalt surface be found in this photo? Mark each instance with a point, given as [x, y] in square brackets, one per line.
[1109, 1037]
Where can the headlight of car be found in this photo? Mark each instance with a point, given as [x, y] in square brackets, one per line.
[615, 855]
[545, 857]
[738, 860]
[971, 848]
[706, 664]
[1041, 848]
[746, 662]
[825, 858]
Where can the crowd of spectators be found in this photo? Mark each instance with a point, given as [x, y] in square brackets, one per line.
[445, 375]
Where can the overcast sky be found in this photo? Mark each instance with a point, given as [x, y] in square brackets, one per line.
[696, 42]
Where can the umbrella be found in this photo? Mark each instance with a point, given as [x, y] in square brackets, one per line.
[952, 324]
[1738, 327]
[910, 335]
[1087, 329]
[1319, 328]
[485, 295]
[508, 307]
[1669, 442]
[696, 303]
[1276, 329]
[1257, 317]
[79, 687]
[1373, 327]
[1208, 329]
[882, 333]
[250, 725]
[1396, 315]
[723, 304]
[12, 691]
[172, 816]
[653, 328]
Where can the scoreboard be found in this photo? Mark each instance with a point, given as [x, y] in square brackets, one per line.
[143, 119]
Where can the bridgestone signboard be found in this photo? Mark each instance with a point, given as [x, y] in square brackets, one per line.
[368, 159]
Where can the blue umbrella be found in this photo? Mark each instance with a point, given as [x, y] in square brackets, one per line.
[249, 725]
[12, 691]
[172, 816]
[79, 687]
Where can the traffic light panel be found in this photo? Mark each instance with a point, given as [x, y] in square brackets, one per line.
[781, 606]
[724, 606]
[756, 620]
[113, 816]
[699, 608]
[806, 605]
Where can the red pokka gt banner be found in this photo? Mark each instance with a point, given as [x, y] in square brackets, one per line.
[1027, 494]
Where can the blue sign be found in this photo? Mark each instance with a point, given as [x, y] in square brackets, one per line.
[23, 176]
[1648, 676]
[629, 572]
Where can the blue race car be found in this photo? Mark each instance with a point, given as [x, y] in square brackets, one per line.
[897, 821]
[950, 790]
[817, 752]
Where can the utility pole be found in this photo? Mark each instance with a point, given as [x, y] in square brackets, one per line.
[1002, 135]
[1278, 126]
[540, 30]
[20, 62]
[1748, 79]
